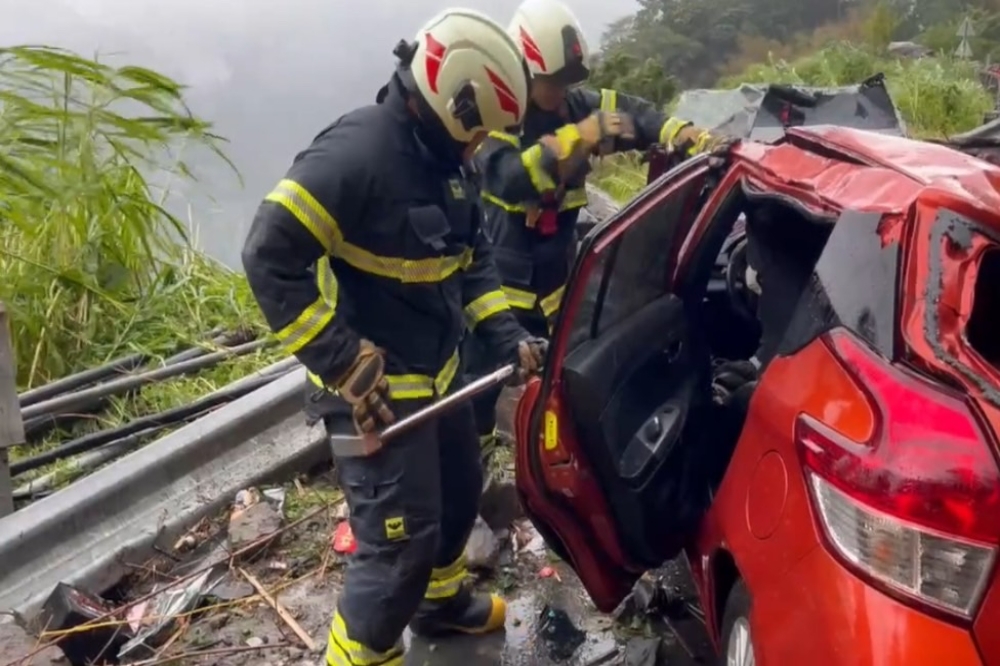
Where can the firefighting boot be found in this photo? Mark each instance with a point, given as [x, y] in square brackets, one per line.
[467, 612]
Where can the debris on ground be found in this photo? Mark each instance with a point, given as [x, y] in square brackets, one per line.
[255, 515]
[15, 642]
[153, 619]
[560, 635]
[68, 609]
[482, 551]
[220, 597]
[343, 542]
[642, 652]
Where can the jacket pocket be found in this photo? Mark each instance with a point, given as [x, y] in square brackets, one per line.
[516, 268]
[430, 226]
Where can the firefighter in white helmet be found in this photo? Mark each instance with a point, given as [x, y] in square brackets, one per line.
[533, 192]
[379, 202]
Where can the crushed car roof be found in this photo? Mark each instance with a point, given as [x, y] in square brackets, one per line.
[762, 113]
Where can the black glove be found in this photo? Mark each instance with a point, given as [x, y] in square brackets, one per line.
[729, 377]
[530, 357]
[366, 389]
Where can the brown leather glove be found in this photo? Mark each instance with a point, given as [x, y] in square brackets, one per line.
[531, 357]
[366, 389]
[695, 140]
[600, 126]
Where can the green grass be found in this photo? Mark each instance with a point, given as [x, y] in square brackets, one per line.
[94, 267]
[937, 97]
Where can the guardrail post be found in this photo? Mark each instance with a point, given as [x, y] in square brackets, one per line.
[11, 425]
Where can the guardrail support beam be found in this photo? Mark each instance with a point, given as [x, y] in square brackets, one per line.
[11, 425]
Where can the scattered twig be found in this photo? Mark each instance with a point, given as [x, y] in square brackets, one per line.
[216, 652]
[281, 611]
[102, 620]
[173, 639]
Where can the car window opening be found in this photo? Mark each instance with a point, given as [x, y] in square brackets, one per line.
[981, 329]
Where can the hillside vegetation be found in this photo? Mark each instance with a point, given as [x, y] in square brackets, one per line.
[770, 42]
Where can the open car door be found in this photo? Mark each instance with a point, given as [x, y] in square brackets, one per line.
[600, 469]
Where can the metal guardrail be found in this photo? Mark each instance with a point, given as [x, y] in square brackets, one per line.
[81, 534]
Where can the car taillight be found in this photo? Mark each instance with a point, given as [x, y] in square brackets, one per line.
[916, 509]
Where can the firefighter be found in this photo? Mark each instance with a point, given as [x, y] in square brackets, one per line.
[531, 220]
[369, 263]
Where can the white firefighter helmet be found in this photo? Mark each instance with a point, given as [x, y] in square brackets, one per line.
[551, 41]
[469, 72]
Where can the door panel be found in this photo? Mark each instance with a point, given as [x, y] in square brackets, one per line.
[630, 392]
[599, 466]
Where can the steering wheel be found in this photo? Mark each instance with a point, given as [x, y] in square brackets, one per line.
[741, 298]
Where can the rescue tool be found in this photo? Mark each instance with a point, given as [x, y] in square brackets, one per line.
[357, 446]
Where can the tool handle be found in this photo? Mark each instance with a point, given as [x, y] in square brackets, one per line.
[450, 401]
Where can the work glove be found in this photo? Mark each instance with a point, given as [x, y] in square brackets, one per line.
[530, 357]
[729, 377]
[366, 389]
[692, 140]
[600, 126]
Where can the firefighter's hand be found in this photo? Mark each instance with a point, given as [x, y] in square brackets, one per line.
[366, 389]
[692, 140]
[531, 357]
[599, 126]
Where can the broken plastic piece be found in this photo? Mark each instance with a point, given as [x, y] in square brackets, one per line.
[164, 608]
[343, 539]
[68, 608]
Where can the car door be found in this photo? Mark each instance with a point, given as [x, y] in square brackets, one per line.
[600, 469]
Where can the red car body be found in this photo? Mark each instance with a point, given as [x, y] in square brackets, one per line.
[854, 517]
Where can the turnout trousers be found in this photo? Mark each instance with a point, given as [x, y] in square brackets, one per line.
[412, 508]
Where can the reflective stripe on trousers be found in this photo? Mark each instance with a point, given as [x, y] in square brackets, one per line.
[415, 386]
[447, 581]
[342, 651]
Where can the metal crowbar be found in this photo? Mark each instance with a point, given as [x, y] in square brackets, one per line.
[359, 446]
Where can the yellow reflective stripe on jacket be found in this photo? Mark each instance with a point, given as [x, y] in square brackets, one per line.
[520, 299]
[609, 100]
[568, 138]
[342, 651]
[447, 581]
[550, 304]
[306, 326]
[572, 199]
[485, 306]
[321, 224]
[532, 161]
[525, 300]
[413, 386]
[506, 138]
[327, 281]
[314, 318]
[670, 130]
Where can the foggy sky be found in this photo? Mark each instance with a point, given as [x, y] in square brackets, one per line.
[269, 73]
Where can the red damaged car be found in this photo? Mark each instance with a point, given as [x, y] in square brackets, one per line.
[839, 502]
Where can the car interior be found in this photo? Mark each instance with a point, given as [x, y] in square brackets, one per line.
[658, 434]
[981, 330]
